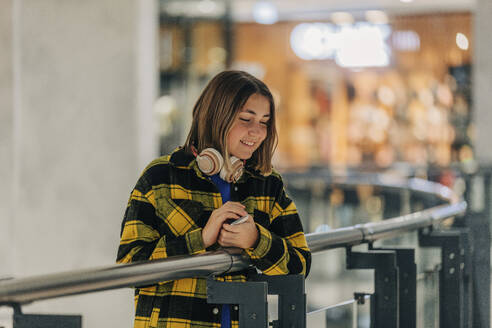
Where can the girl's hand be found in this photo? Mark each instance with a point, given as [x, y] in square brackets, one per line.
[230, 210]
[243, 235]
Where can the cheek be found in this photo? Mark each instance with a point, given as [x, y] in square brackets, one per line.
[264, 135]
[231, 133]
[235, 135]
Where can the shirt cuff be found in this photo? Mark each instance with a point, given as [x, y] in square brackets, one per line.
[194, 242]
[263, 246]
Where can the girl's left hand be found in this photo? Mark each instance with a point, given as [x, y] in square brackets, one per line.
[243, 235]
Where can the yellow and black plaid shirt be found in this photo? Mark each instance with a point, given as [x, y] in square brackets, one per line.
[167, 210]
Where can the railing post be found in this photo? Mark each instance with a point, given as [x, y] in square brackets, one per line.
[477, 219]
[407, 285]
[385, 301]
[454, 251]
[250, 296]
[291, 299]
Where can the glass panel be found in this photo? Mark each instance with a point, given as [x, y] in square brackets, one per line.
[272, 307]
[330, 283]
[428, 299]
[364, 314]
[341, 316]
[6, 317]
[347, 314]
[316, 319]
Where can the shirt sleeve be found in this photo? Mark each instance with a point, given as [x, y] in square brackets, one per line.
[146, 235]
[282, 248]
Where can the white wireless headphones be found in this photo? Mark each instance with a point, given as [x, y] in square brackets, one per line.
[211, 162]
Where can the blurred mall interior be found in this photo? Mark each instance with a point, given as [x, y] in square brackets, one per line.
[91, 91]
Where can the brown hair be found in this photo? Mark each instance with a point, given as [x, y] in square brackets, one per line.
[217, 108]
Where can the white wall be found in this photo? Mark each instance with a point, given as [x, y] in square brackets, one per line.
[79, 81]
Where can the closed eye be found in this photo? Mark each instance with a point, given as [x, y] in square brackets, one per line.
[267, 123]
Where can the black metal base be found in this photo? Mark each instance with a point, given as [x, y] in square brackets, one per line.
[47, 321]
[251, 296]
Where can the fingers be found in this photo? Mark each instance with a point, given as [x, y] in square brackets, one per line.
[243, 235]
[230, 210]
[230, 228]
[238, 227]
[227, 238]
[250, 220]
[228, 215]
[231, 203]
[235, 207]
[214, 230]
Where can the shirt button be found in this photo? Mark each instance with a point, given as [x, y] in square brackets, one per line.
[235, 188]
[236, 307]
[215, 311]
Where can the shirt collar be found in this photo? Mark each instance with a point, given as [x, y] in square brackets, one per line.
[180, 157]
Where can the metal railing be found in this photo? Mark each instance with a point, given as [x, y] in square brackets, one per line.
[25, 290]
[30, 289]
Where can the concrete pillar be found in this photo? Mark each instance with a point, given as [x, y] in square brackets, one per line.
[77, 84]
[6, 136]
[482, 107]
[482, 81]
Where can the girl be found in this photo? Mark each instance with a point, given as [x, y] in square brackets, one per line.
[183, 204]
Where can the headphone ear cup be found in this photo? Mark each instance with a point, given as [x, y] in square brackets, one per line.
[210, 161]
[235, 172]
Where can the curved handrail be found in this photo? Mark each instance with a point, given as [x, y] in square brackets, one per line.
[387, 181]
[25, 290]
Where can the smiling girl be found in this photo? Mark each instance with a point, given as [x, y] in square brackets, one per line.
[184, 202]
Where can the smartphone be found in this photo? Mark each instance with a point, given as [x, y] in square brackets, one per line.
[240, 220]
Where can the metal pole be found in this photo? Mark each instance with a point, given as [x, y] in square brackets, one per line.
[26, 290]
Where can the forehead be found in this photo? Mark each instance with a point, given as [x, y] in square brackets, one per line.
[258, 104]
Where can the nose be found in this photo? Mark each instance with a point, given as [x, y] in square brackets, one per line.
[254, 129]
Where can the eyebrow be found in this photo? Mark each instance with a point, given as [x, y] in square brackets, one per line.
[254, 113]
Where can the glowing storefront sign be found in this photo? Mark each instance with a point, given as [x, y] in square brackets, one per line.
[359, 45]
[314, 41]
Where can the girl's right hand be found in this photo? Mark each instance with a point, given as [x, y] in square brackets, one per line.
[230, 210]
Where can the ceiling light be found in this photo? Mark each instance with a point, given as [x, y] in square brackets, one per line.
[376, 17]
[265, 12]
[207, 6]
[406, 1]
[342, 18]
[462, 41]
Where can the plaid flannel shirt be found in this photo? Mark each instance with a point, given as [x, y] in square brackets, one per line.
[166, 212]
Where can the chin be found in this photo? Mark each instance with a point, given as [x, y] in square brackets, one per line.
[244, 157]
[243, 154]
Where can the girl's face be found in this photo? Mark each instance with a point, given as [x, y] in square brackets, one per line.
[249, 128]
